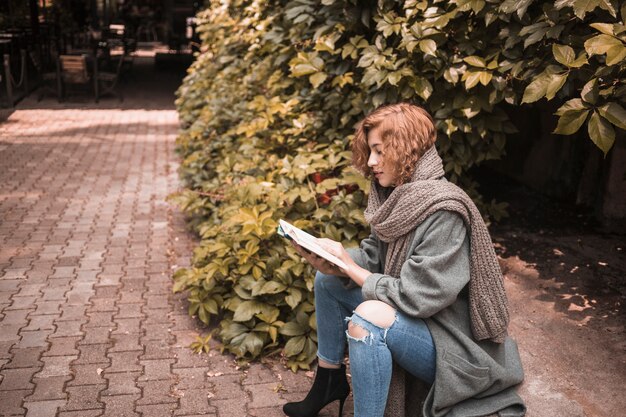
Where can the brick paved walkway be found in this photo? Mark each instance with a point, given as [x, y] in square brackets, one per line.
[88, 323]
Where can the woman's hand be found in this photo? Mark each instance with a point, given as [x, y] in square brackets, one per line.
[354, 271]
[318, 263]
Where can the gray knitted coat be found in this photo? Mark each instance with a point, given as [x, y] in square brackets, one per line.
[472, 378]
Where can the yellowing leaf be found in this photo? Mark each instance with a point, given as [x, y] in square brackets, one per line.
[317, 79]
[563, 54]
[601, 132]
[475, 61]
[570, 122]
[614, 113]
[428, 46]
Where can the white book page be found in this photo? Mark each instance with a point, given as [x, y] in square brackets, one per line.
[309, 242]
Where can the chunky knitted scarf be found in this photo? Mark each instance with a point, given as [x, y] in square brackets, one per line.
[395, 216]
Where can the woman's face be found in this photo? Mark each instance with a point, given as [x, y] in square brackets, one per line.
[384, 174]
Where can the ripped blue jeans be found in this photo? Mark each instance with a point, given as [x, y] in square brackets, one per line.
[407, 342]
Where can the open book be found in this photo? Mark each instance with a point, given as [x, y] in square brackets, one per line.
[308, 242]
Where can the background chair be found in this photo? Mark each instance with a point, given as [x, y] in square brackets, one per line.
[106, 82]
[47, 81]
[75, 71]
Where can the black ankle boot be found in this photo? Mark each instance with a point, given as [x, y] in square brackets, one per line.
[329, 385]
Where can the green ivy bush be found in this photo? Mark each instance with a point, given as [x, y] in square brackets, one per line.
[269, 107]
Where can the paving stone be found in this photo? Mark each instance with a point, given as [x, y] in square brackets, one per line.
[125, 343]
[47, 307]
[192, 378]
[23, 303]
[157, 331]
[63, 346]
[258, 374]
[185, 358]
[91, 374]
[125, 361]
[231, 406]
[131, 297]
[264, 395]
[277, 411]
[127, 326]
[56, 366]
[17, 379]
[195, 402]
[84, 397]
[91, 354]
[155, 316]
[67, 328]
[49, 388]
[156, 369]
[11, 402]
[156, 349]
[10, 285]
[25, 358]
[34, 338]
[102, 305]
[55, 293]
[126, 311]
[17, 318]
[120, 406]
[121, 383]
[81, 413]
[96, 335]
[227, 386]
[156, 300]
[157, 410]
[41, 322]
[73, 312]
[157, 392]
[109, 279]
[30, 290]
[101, 319]
[111, 291]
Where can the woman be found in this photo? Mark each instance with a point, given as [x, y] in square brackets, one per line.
[424, 290]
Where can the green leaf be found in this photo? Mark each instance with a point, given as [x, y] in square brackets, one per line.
[605, 28]
[555, 83]
[606, 44]
[570, 122]
[590, 92]
[581, 7]
[579, 61]
[574, 104]
[606, 5]
[422, 87]
[471, 78]
[601, 132]
[303, 69]
[475, 61]
[294, 297]
[485, 77]
[428, 46]
[536, 89]
[247, 309]
[614, 113]
[563, 54]
[615, 55]
[295, 345]
[317, 79]
[293, 328]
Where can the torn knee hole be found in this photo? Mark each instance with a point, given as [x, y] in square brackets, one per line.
[357, 331]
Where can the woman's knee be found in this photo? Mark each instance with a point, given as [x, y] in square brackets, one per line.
[375, 312]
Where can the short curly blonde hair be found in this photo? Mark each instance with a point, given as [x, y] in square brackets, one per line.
[407, 131]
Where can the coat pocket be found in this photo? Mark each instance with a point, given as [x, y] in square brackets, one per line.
[459, 379]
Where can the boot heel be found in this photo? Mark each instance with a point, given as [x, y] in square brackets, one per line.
[341, 401]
